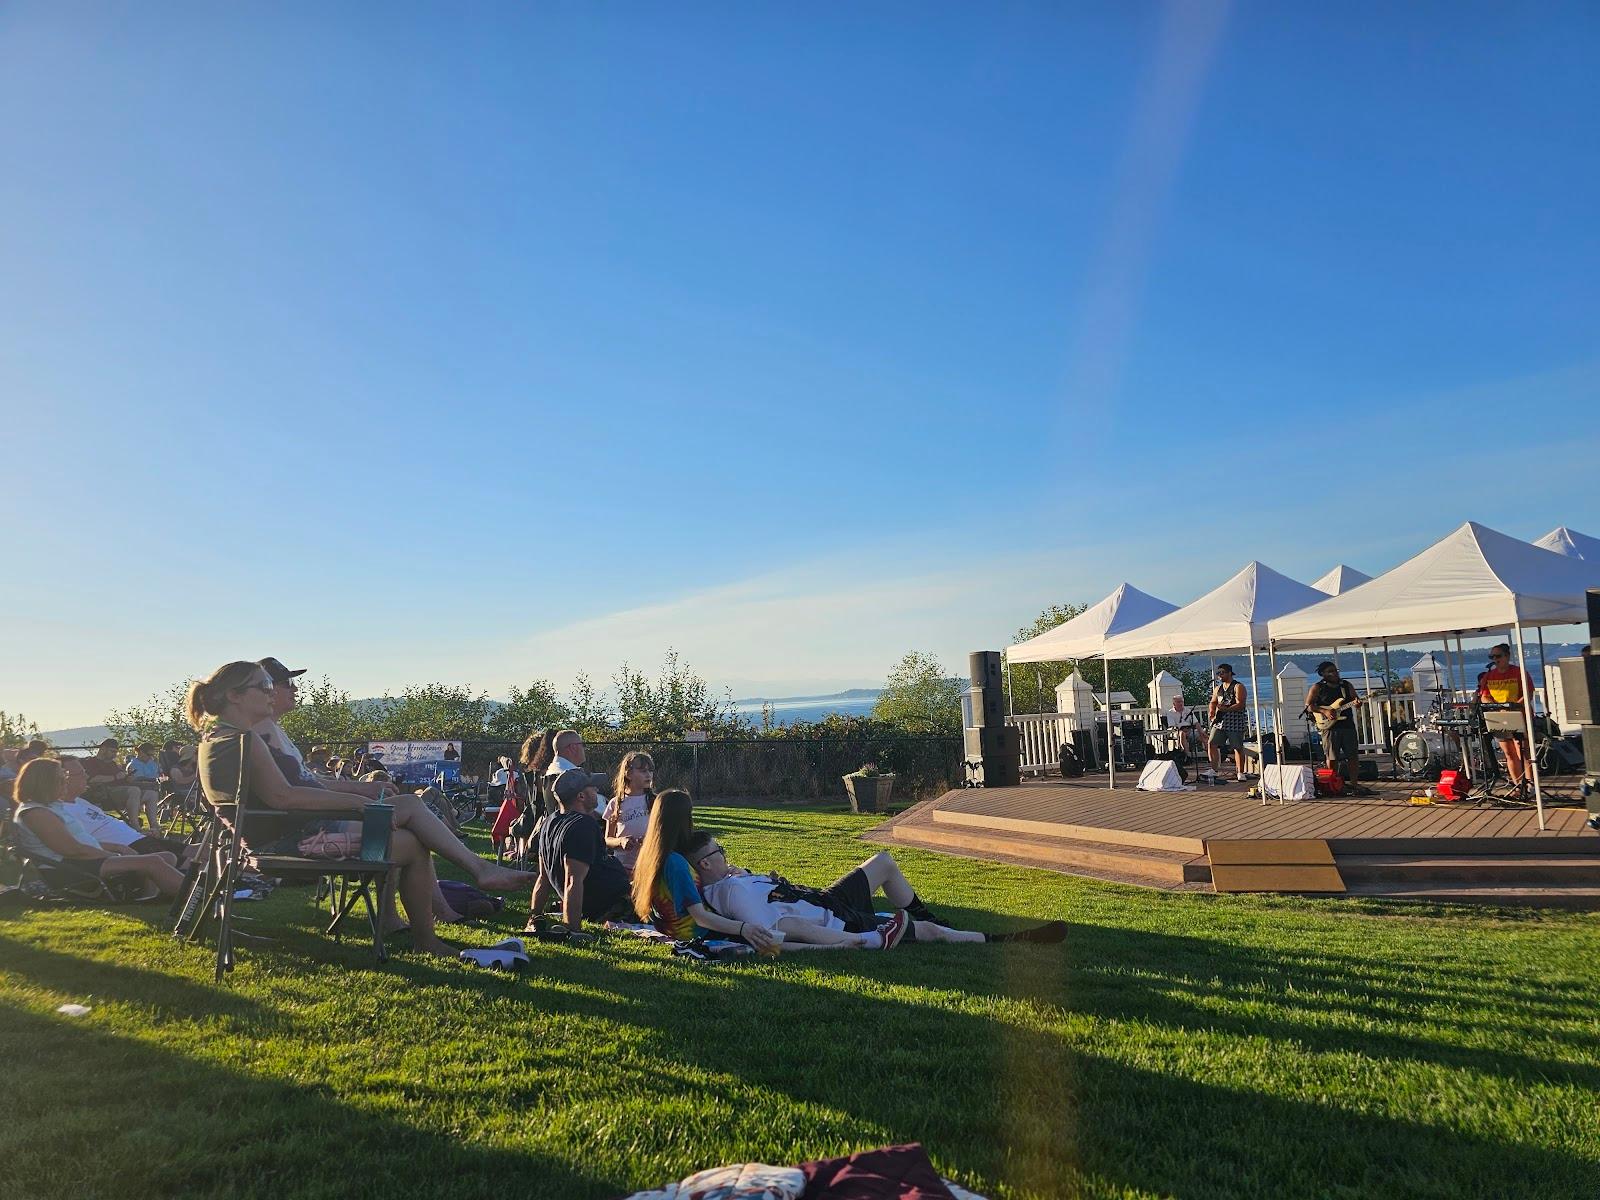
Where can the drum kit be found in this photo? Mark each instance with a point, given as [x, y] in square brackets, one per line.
[1459, 735]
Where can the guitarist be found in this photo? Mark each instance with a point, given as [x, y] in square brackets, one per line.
[1335, 699]
[1229, 722]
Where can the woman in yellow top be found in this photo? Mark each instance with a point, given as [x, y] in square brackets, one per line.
[1504, 683]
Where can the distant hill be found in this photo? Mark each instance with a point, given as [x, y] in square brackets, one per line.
[82, 735]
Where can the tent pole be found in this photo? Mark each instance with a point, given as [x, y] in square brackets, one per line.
[1255, 698]
[1544, 677]
[1388, 710]
[1527, 712]
[1366, 681]
[1111, 738]
[1277, 718]
[1010, 705]
[1155, 704]
[1038, 686]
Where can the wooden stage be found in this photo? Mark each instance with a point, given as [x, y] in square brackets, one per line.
[1382, 845]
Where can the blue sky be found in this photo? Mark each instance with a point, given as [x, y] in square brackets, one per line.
[496, 342]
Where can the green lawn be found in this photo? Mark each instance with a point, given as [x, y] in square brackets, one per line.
[1189, 1046]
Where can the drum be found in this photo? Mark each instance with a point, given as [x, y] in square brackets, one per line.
[1415, 757]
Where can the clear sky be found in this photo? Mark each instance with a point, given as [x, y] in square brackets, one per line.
[499, 341]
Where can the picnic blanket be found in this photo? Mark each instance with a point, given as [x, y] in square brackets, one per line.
[890, 1173]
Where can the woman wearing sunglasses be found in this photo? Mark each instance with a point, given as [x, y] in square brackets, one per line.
[238, 696]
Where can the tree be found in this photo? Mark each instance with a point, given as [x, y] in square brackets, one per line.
[431, 711]
[587, 710]
[158, 719]
[674, 703]
[324, 715]
[919, 697]
[536, 708]
[16, 730]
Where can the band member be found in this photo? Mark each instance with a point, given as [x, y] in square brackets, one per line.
[1340, 745]
[1229, 724]
[1504, 683]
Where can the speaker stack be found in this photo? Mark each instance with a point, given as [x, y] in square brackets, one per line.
[1580, 689]
[993, 748]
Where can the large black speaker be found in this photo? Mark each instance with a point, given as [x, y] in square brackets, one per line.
[993, 756]
[1580, 682]
[988, 689]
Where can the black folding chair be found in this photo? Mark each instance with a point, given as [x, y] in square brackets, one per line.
[210, 897]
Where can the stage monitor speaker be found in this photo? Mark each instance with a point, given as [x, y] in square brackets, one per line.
[988, 708]
[1591, 752]
[993, 757]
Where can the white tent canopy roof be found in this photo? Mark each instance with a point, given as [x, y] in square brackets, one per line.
[1341, 579]
[1228, 617]
[1476, 579]
[1124, 609]
[1571, 543]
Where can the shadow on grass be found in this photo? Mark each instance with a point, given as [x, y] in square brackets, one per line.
[117, 1118]
[998, 1103]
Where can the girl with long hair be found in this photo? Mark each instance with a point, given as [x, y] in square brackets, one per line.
[58, 837]
[628, 810]
[664, 889]
[226, 706]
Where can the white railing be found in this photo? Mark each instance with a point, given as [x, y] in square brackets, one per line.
[1042, 734]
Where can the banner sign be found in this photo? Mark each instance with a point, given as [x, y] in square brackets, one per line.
[415, 764]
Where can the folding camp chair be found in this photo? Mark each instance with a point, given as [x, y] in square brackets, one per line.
[211, 892]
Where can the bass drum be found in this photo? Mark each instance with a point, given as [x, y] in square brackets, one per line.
[1415, 757]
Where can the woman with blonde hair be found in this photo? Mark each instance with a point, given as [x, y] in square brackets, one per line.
[627, 813]
[59, 838]
[226, 706]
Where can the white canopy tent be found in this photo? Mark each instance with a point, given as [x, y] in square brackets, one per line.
[1124, 609]
[1571, 543]
[1231, 616]
[1476, 580]
[1341, 579]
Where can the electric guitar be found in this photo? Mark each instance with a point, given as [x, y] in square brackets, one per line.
[1326, 719]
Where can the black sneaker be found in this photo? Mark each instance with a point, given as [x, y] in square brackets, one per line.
[1054, 931]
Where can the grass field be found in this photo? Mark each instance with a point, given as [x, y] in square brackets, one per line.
[1189, 1046]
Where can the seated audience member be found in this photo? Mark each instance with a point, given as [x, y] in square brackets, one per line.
[36, 748]
[628, 812]
[317, 760]
[55, 837]
[108, 782]
[111, 834]
[840, 915]
[568, 750]
[144, 773]
[665, 891]
[226, 708]
[167, 757]
[182, 775]
[574, 863]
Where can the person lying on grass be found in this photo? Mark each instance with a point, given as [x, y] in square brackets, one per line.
[574, 862]
[57, 837]
[227, 706]
[665, 892]
[841, 915]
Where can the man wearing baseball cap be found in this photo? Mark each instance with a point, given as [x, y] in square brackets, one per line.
[285, 695]
[574, 861]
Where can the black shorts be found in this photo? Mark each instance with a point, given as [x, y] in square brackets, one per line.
[1340, 743]
[849, 898]
[156, 845]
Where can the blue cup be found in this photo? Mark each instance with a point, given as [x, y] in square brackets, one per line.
[377, 827]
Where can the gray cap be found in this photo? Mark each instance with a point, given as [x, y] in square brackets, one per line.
[570, 782]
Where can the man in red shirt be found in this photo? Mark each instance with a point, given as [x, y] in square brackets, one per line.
[1504, 683]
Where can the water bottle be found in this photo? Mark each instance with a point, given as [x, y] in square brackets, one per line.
[377, 826]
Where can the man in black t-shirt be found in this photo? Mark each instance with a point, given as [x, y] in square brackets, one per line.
[574, 861]
[1340, 745]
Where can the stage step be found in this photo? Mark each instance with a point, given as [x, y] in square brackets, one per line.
[1582, 898]
[1045, 831]
[1101, 860]
[1511, 870]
